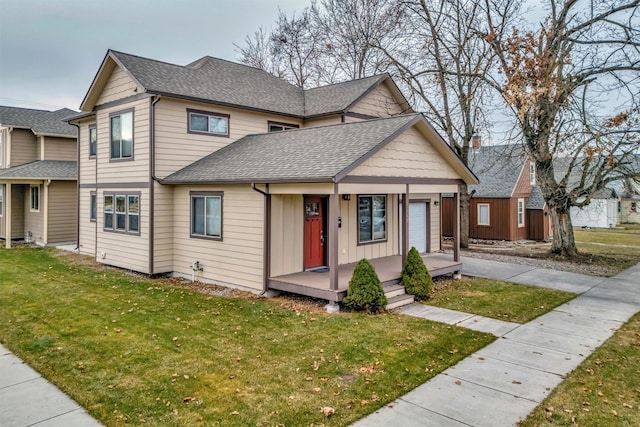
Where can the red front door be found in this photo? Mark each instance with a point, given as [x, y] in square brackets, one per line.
[313, 232]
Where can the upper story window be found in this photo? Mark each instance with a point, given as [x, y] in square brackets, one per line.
[121, 135]
[372, 219]
[35, 198]
[208, 122]
[206, 215]
[122, 213]
[483, 214]
[277, 127]
[93, 140]
[532, 173]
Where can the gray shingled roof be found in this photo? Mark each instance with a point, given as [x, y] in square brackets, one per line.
[498, 168]
[536, 199]
[311, 154]
[42, 169]
[225, 82]
[40, 121]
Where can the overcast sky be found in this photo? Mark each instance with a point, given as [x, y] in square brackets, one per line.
[50, 50]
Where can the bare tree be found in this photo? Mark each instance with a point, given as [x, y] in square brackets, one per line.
[573, 85]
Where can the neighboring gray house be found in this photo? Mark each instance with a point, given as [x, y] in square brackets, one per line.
[38, 176]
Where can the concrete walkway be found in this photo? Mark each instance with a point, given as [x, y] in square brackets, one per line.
[27, 399]
[502, 383]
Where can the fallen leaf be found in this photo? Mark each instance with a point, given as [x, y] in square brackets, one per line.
[188, 399]
[549, 409]
[626, 405]
[458, 382]
[235, 413]
[515, 382]
[327, 411]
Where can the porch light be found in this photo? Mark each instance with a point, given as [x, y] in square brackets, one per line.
[346, 197]
[436, 203]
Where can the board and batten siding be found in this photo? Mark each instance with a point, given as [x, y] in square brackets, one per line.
[86, 227]
[409, 154]
[119, 86]
[176, 147]
[60, 148]
[237, 259]
[163, 229]
[124, 250]
[127, 170]
[24, 147]
[62, 210]
[287, 234]
[379, 102]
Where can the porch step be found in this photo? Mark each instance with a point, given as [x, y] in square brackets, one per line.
[393, 291]
[399, 301]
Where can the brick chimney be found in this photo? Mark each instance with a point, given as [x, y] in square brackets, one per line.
[476, 141]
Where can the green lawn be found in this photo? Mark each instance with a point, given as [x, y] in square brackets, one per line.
[615, 248]
[603, 391]
[499, 300]
[139, 351]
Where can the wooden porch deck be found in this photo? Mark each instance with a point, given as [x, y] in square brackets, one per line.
[316, 284]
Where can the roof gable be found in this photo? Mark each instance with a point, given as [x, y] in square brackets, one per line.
[40, 122]
[499, 168]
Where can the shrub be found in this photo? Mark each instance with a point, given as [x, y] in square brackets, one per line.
[415, 276]
[365, 289]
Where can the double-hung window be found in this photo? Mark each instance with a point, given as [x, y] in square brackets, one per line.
[206, 215]
[121, 135]
[483, 214]
[520, 212]
[208, 122]
[122, 213]
[35, 198]
[532, 173]
[93, 206]
[372, 218]
[93, 140]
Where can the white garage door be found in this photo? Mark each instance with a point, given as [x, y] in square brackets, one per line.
[418, 226]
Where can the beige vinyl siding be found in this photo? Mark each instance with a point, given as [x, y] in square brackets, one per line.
[287, 234]
[348, 246]
[176, 148]
[163, 229]
[120, 171]
[34, 221]
[87, 166]
[237, 259]
[4, 138]
[24, 147]
[3, 217]
[380, 102]
[63, 203]
[323, 121]
[410, 154]
[124, 250]
[60, 148]
[87, 243]
[119, 86]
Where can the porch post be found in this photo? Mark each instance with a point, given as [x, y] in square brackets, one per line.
[456, 226]
[7, 213]
[45, 211]
[334, 210]
[405, 225]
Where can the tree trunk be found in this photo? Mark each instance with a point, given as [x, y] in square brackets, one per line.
[465, 199]
[563, 241]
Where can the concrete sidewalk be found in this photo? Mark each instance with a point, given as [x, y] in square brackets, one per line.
[27, 399]
[503, 382]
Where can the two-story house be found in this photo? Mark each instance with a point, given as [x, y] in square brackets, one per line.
[38, 167]
[222, 172]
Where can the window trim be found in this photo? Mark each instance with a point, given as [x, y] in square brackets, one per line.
[520, 212]
[386, 217]
[95, 146]
[488, 223]
[208, 113]
[532, 173]
[93, 203]
[1, 199]
[126, 195]
[205, 194]
[31, 188]
[285, 126]
[133, 137]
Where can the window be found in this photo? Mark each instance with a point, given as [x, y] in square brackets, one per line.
[93, 207]
[93, 141]
[277, 127]
[372, 218]
[122, 213]
[121, 135]
[483, 214]
[634, 206]
[532, 173]
[35, 198]
[207, 122]
[1, 199]
[520, 212]
[206, 215]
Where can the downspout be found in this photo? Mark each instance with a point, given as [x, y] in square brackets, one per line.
[152, 177]
[266, 257]
[78, 188]
[45, 213]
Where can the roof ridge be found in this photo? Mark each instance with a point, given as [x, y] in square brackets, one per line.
[30, 109]
[378, 76]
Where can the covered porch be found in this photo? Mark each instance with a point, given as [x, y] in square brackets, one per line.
[316, 283]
